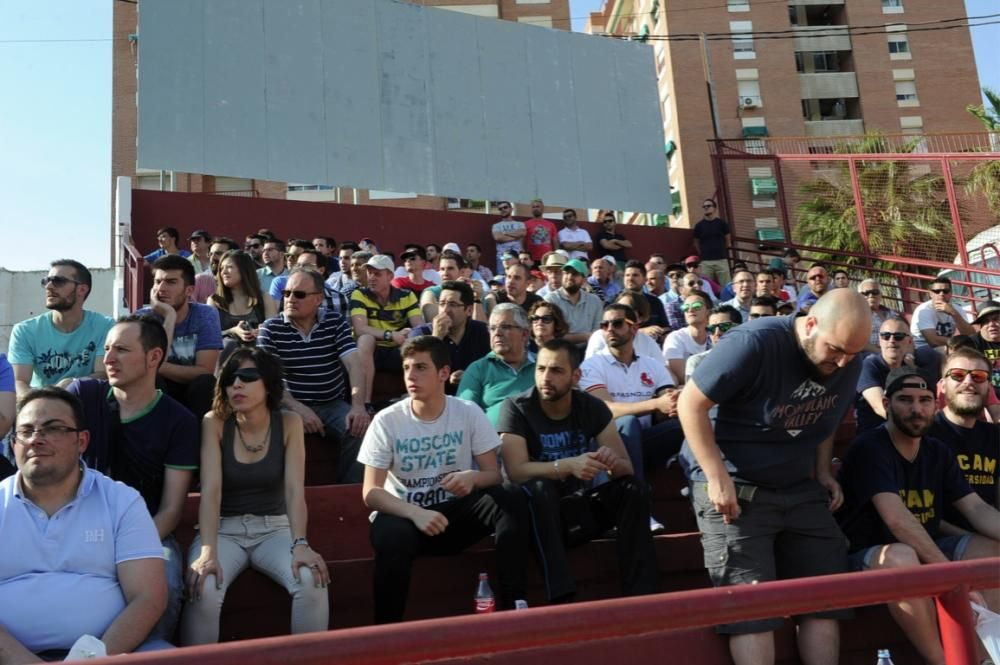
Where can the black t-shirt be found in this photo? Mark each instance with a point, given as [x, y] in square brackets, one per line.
[976, 451]
[474, 345]
[547, 439]
[619, 254]
[711, 235]
[927, 485]
[529, 300]
[657, 313]
[992, 352]
[874, 371]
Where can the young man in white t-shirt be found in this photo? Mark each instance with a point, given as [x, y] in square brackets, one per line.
[573, 239]
[938, 319]
[428, 496]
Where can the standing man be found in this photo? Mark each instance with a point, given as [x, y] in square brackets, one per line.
[67, 341]
[274, 264]
[468, 340]
[556, 440]
[582, 310]
[313, 344]
[201, 243]
[988, 339]
[143, 438]
[540, 234]
[760, 476]
[936, 320]
[196, 339]
[711, 242]
[573, 239]
[436, 502]
[168, 239]
[613, 243]
[508, 234]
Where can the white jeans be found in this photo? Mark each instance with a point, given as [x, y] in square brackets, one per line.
[264, 543]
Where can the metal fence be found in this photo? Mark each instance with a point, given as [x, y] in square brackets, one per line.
[899, 208]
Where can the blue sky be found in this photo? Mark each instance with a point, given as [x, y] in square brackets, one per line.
[55, 124]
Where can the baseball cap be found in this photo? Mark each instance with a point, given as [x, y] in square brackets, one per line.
[452, 247]
[778, 265]
[537, 274]
[576, 265]
[200, 233]
[414, 251]
[610, 260]
[907, 376]
[381, 262]
[508, 255]
[694, 258]
[989, 307]
[553, 260]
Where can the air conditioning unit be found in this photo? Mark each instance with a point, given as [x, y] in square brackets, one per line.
[748, 103]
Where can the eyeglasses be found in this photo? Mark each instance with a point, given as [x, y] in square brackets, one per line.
[503, 328]
[614, 323]
[45, 433]
[692, 306]
[58, 281]
[940, 291]
[451, 303]
[244, 374]
[544, 318]
[816, 276]
[958, 375]
[299, 295]
[722, 327]
[895, 336]
[693, 283]
[871, 292]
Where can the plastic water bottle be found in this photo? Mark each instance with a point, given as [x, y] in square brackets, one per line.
[485, 602]
[884, 658]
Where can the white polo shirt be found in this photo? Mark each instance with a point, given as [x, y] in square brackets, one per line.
[636, 382]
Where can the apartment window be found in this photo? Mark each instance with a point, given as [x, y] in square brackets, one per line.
[749, 94]
[892, 6]
[906, 93]
[738, 5]
[742, 43]
[899, 47]
[826, 61]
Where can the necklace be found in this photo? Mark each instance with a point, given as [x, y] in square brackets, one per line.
[260, 446]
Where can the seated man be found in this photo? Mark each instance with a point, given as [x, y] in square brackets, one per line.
[382, 317]
[898, 482]
[436, 501]
[312, 344]
[556, 440]
[818, 283]
[634, 279]
[721, 320]
[65, 342]
[195, 336]
[895, 345]
[637, 389]
[974, 443]
[167, 240]
[872, 292]
[414, 264]
[106, 577]
[602, 280]
[763, 306]
[936, 320]
[515, 290]
[274, 264]
[988, 339]
[505, 370]
[582, 310]
[333, 301]
[450, 268]
[468, 340]
[143, 438]
[743, 288]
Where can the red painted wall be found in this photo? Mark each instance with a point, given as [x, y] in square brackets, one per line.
[390, 228]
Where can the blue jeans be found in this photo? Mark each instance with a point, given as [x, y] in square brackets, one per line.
[334, 417]
[174, 561]
[656, 443]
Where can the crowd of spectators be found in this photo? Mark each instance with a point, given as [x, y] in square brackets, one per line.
[529, 402]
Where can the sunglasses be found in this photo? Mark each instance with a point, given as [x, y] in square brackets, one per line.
[871, 292]
[544, 318]
[698, 283]
[299, 295]
[707, 207]
[819, 276]
[58, 281]
[940, 291]
[614, 323]
[978, 375]
[721, 327]
[244, 374]
[692, 307]
[896, 336]
[691, 265]
[675, 275]
[758, 315]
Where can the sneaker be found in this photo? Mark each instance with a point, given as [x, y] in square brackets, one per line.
[655, 526]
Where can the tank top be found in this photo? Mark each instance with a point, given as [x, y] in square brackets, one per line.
[254, 318]
[257, 488]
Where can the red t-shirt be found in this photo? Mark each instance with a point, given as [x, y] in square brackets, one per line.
[406, 283]
[539, 238]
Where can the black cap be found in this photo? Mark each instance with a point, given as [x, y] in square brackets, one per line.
[200, 233]
[908, 376]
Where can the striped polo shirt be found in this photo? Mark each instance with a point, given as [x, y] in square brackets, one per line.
[311, 362]
[393, 316]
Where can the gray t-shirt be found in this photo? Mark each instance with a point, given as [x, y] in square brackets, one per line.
[507, 226]
[773, 410]
[418, 453]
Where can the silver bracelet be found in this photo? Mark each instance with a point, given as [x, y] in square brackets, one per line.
[297, 542]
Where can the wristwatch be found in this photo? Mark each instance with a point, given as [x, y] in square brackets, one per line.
[299, 541]
[387, 335]
[370, 408]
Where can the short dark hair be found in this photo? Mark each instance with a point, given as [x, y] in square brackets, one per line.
[225, 240]
[633, 263]
[320, 259]
[266, 233]
[350, 244]
[518, 266]
[730, 311]
[176, 262]
[279, 245]
[463, 289]
[765, 301]
[941, 280]
[436, 246]
[300, 243]
[476, 245]
[839, 271]
[330, 240]
[438, 350]
[459, 260]
[568, 211]
[705, 298]
[557, 344]
[624, 309]
[151, 332]
[170, 231]
[52, 392]
[269, 366]
[641, 305]
[82, 273]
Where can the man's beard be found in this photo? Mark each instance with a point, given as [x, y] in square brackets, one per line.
[909, 426]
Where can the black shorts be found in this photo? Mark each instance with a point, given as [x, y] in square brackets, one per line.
[780, 534]
[388, 359]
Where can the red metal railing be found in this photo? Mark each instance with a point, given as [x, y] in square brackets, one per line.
[134, 277]
[478, 637]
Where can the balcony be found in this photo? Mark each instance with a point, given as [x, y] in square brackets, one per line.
[830, 85]
[835, 127]
[827, 38]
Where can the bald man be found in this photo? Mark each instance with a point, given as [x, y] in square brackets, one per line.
[782, 385]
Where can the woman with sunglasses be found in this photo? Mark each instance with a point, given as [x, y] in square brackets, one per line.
[253, 509]
[721, 320]
[241, 303]
[692, 338]
[547, 322]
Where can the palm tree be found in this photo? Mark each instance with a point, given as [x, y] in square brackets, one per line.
[984, 179]
[906, 212]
